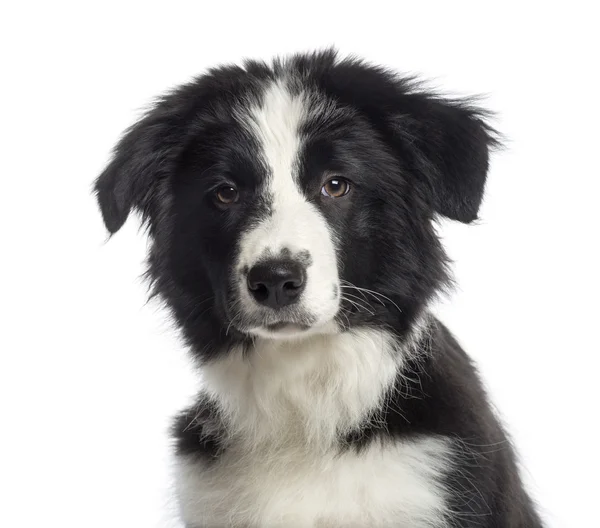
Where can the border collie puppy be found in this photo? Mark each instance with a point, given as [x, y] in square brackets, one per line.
[290, 209]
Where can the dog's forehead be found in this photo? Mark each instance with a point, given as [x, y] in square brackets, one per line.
[280, 121]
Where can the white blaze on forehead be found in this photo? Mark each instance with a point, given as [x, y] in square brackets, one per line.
[293, 222]
[276, 124]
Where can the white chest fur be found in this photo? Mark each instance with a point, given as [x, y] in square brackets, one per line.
[284, 407]
[385, 486]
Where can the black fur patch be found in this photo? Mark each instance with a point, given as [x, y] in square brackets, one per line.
[199, 431]
[438, 395]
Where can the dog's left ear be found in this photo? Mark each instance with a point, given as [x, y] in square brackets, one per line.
[450, 142]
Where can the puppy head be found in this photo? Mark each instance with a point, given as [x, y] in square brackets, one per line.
[296, 198]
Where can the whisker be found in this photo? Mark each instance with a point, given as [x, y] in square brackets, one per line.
[357, 305]
[359, 299]
[378, 296]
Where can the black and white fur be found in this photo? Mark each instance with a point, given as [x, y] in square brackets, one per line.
[351, 405]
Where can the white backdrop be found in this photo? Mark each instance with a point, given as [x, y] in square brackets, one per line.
[89, 375]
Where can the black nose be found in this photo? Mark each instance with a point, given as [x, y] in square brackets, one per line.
[276, 283]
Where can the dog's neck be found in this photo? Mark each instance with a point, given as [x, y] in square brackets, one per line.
[312, 390]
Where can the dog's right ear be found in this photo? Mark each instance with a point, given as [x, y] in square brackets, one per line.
[145, 155]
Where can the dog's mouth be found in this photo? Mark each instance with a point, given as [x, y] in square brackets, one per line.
[286, 327]
[269, 323]
[281, 329]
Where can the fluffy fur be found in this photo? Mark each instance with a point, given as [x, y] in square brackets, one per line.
[340, 401]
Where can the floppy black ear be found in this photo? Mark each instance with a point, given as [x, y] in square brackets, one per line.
[446, 141]
[451, 142]
[145, 155]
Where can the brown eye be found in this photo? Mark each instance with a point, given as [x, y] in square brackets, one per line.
[336, 188]
[227, 194]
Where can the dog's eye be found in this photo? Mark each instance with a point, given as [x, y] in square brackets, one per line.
[227, 194]
[336, 188]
